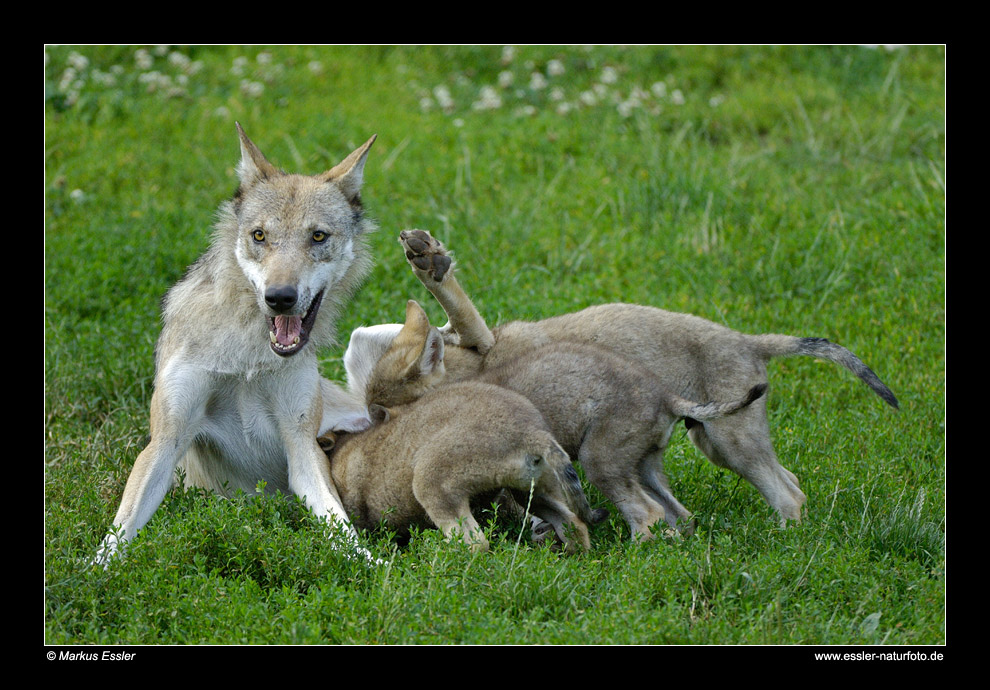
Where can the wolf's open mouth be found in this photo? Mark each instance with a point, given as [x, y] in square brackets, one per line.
[288, 334]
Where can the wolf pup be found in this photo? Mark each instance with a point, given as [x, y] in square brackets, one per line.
[699, 359]
[238, 397]
[608, 413]
[421, 464]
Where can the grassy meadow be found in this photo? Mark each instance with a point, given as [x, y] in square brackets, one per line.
[773, 189]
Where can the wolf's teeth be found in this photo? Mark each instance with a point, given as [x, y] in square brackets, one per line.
[271, 336]
[296, 341]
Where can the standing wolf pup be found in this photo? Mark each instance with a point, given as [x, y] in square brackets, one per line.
[238, 396]
[696, 358]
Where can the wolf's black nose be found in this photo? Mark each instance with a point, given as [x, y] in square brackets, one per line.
[281, 298]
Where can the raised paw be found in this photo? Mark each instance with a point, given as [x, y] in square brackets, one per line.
[426, 255]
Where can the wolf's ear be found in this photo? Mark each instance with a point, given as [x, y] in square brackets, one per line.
[349, 173]
[421, 345]
[253, 165]
[432, 359]
[379, 414]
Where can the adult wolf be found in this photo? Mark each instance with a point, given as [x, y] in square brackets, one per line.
[238, 396]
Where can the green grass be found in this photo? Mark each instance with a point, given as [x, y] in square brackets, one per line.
[788, 189]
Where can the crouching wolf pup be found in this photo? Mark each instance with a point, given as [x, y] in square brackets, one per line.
[421, 464]
[610, 414]
[696, 358]
[238, 397]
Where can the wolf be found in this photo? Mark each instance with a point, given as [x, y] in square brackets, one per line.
[610, 414]
[422, 463]
[696, 358]
[238, 397]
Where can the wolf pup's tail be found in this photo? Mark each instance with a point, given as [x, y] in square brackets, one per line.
[820, 348]
[568, 478]
[706, 412]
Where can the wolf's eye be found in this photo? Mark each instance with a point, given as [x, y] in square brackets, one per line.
[258, 235]
[319, 236]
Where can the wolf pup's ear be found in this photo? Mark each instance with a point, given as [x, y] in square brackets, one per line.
[349, 173]
[378, 413]
[424, 343]
[253, 165]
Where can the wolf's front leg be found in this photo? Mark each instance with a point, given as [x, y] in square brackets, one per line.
[177, 406]
[150, 480]
[309, 470]
[432, 264]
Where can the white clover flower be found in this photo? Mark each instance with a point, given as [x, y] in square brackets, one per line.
[555, 68]
[425, 103]
[221, 112]
[237, 68]
[505, 78]
[444, 99]
[526, 111]
[458, 122]
[143, 59]
[564, 108]
[588, 98]
[609, 75]
[676, 97]
[77, 195]
[68, 77]
[105, 79]
[537, 81]
[316, 67]
[716, 100]
[489, 99]
[252, 89]
[630, 104]
[78, 62]
[151, 80]
[659, 89]
[264, 58]
[179, 60]
[556, 94]
[508, 53]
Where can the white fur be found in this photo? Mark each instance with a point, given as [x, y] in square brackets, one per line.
[365, 347]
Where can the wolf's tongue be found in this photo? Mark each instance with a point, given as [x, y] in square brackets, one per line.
[287, 329]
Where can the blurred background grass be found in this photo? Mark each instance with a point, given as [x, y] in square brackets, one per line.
[797, 189]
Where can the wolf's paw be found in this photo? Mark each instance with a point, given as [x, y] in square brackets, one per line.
[425, 254]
